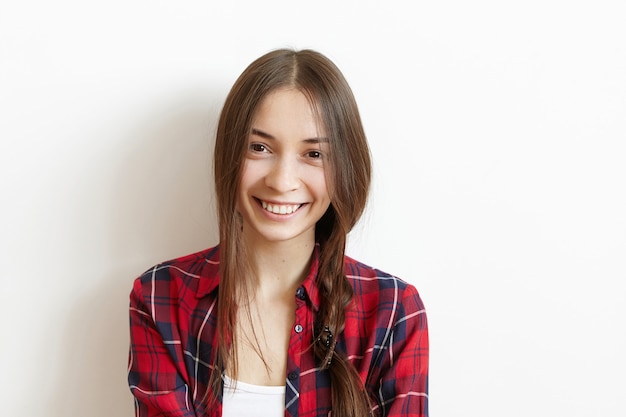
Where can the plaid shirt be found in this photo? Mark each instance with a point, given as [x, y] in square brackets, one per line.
[173, 337]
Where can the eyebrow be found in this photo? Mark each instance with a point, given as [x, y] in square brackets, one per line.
[266, 135]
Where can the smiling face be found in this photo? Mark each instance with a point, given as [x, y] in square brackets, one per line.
[283, 192]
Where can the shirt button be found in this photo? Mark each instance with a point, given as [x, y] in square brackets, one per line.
[292, 375]
[298, 328]
[300, 293]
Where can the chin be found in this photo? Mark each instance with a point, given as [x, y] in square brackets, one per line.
[281, 236]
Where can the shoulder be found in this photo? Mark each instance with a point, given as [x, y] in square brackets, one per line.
[365, 279]
[196, 273]
[378, 290]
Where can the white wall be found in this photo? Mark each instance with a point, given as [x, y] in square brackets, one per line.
[497, 130]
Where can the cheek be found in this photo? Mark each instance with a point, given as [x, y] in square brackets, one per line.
[242, 188]
[246, 180]
[322, 191]
[324, 186]
[328, 177]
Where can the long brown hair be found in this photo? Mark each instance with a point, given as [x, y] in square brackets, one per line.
[348, 177]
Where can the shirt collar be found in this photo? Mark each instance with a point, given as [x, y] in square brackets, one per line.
[310, 282]
[209, 278]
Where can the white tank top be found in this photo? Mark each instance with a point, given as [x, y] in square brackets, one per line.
[245, 400]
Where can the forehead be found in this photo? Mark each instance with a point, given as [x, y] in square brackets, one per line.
[288, 110]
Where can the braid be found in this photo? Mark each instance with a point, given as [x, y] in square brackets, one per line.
[349, 397]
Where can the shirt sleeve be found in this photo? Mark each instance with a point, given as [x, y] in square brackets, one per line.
[156, 379]
[403, 389]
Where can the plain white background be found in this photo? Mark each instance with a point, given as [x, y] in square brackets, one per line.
[497, 130]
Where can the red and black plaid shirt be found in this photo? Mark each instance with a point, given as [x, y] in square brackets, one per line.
[173, 337]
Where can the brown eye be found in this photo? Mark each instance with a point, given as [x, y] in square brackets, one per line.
[315, 154]
[257, 147]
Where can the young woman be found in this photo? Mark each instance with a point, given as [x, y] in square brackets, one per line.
[276, 320]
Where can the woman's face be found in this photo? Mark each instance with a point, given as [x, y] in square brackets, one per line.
[283, 191]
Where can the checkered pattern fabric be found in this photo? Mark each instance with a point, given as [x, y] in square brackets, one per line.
[173, 339]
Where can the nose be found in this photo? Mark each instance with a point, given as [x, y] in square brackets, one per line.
[283, 175]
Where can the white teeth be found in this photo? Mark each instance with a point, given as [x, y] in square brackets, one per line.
[280, 209]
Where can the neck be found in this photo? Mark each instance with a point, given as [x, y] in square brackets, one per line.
[279, 267]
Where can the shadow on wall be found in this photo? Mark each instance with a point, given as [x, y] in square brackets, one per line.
[158, 205]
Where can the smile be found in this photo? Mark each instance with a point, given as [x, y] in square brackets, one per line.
[280, 208]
